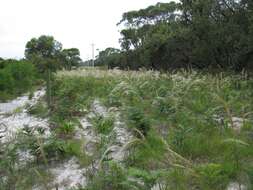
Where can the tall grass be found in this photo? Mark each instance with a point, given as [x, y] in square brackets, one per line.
[183, 125]
[190, 113]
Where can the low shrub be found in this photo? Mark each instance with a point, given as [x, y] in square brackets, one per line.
[212, 176]
[40, 110]
[137, 119]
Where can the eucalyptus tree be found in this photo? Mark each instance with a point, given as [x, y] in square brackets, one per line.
[109, 57]
[70, 58]
[146, 33]
[189, 33]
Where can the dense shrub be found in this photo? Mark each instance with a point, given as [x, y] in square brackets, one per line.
[138, 120]
[16, 78]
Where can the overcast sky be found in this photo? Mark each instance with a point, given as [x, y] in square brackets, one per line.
[75, 23]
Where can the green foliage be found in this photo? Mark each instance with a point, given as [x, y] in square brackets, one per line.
[109, 57]
[72, 96]
[40, 110]
[16, 78]
[103, 125]
[112, 177]
[66, 129]
[250, 174]
[213, 176]
[17, 175]
[57, 149]
[74, 148]
[204, 34]
[70, 58]
[137, 119]
[148, 178]
[44, 53]
[180, 135]
[184, 138]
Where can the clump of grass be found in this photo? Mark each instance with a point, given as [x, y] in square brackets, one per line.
[39, 110]
[103, 125]
[137, 119]
[17, 110]
[66, 129]
[212, 176]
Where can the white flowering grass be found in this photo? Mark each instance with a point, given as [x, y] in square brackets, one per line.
[183, 109]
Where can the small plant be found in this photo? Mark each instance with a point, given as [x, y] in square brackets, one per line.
[66, 129]
[137, 119]
[236, 149]
[111, 177]
[53, 149]
[31, 94]
[212, 176]
[180, 134]
[17, 110]
[148, 178]
[103, 125]
[40, 110]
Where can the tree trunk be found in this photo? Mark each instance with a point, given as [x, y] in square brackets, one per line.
[48, 81]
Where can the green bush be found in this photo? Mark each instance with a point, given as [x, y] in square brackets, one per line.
[7, 83]
[137, 119]
[57, 149]
[71, 96]
[66, 129]
[40, 110]
[102, 124]
[111, 177]
[16, 78]
[213, 176]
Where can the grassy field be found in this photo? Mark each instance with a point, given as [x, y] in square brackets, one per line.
[195, 128]
[187, 130]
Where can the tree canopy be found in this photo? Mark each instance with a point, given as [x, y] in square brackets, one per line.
[70, 58]
[188, 34]
[108, 57]
[47, 53]
[44, 52]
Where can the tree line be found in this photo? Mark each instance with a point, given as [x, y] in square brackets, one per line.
[43, 56]
[199, 34]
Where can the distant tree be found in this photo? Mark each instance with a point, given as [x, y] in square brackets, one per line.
[109, 57]
[146, 33]
[197, 34]
[44, 52]
[87, 63]
[1, 63]
[6, 62]
[70, 58]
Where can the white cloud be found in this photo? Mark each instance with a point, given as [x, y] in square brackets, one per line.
[75, 23]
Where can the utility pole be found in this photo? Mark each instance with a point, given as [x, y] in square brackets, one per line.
[87, 59]
[93, 46]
